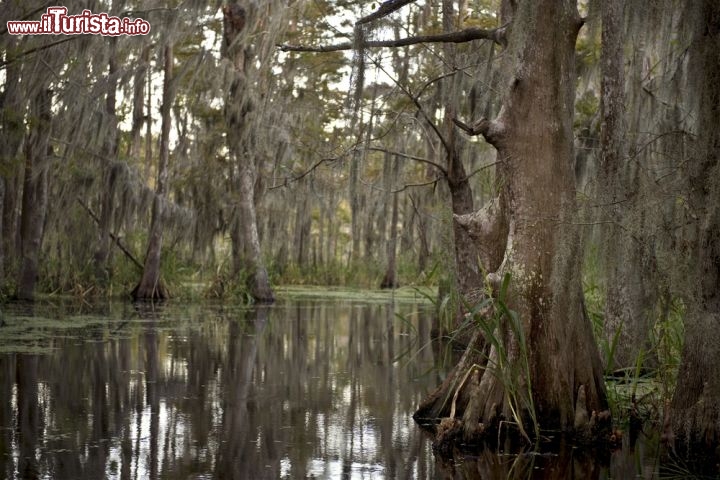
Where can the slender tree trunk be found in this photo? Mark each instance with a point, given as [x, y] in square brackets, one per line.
[390, 279]
[109, 154]
[9, 222]
[237, 108]
[423, 230]
[138, 115]
[148, 126]
[696, 403]
[302, 229]
[34, 199]
[11, 135]
[550, 349]
[467, 267]
[330, 253]
[355, 203]
[151, 286]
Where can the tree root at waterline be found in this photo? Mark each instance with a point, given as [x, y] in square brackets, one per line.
[473, 407]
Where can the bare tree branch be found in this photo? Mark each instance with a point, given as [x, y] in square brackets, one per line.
[478, 170]
[410, 157]
[417, 104]
[385, 9]
[114, 237]
[411, 185]
[289, 180]
[497, 35]
[40, 48]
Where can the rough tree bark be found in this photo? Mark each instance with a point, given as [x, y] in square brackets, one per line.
[34, 198]
[237, 107]
[696, 402]
[628, 301]
[534, 139]
[151, 286]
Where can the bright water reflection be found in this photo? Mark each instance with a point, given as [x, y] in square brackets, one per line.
[302, 389]
[298, 390]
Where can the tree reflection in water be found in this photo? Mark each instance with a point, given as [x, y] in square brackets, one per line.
[296, 390]
[302, 389]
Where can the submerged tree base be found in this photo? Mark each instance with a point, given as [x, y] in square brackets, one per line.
[457, 413]
[259, 285]
[157, 291]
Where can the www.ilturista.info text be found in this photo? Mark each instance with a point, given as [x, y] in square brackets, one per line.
[57, 22]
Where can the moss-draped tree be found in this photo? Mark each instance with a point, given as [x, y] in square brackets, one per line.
[562, 385]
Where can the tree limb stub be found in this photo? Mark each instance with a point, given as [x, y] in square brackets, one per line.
[489, 228]
[497, 35]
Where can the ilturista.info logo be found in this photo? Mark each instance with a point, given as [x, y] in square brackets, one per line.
[57, 22]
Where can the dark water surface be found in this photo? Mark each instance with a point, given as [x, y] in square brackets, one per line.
[302, 389]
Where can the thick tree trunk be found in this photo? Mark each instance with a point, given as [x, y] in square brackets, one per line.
[34, 199]
[151, 286]
[696, 403]
[546, 366]
[629, 299]
[237, 107]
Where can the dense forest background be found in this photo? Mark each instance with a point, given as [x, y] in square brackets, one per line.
[278, 142]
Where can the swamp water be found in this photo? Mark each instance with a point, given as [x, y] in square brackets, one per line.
[315, 387]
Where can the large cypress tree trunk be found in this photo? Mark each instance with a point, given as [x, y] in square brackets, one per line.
[550, 353]
[237, 108]
[696, 402]
[151, 286]
[629, 298]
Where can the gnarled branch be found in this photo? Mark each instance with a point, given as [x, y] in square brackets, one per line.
[490, 130]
